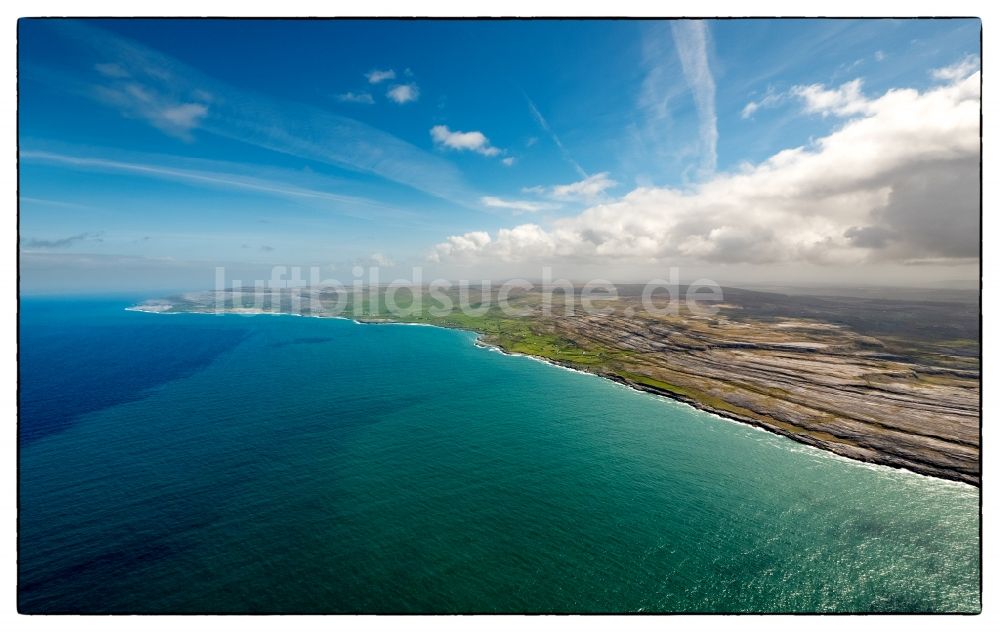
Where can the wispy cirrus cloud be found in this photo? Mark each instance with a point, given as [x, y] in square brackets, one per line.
[770, 99]
[175, 114]
[517, 206]
[211, 174]
[589, 188]
[180, 100]
[654, 144]
[691, 41]
[62, 242]
[65, 204]
[544, 124]
[111, 70]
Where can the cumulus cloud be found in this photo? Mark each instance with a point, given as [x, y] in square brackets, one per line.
[404, 93]
[474, 141]
[845, 100]
[356, 97]
[897, 182]
[518, 206]
[470, 245]
[378, 76]
[842, 101]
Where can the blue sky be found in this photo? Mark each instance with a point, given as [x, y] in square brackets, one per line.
[174, 144]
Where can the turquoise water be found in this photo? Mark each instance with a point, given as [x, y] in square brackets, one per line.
[284, 464]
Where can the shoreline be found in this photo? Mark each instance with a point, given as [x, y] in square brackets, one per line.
[864, 456]
[804, 440]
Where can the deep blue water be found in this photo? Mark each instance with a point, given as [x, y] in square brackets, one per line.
[83, 355]
[201, 463]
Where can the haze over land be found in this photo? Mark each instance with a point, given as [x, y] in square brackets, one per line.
[759, 152]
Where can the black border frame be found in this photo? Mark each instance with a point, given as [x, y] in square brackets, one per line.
[500, 19]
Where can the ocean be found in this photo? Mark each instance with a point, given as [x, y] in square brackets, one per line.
[190, 463]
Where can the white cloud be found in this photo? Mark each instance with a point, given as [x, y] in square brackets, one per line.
[691, 40]
[111, 70]
[749, 109]
[879, 56]
[474, 141]
[897, 183]
[378, 76]
[843, 101]
[518, 206]
[207, 174]
[378, 259]
[509, 161]
[523, 242]
[769, 100]
[588, 188]
[652, 143]
[356, 97]
[404, 93]
[469, 245]
[958, 70]
[274, 124]
[176, 115]
[185, 116]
